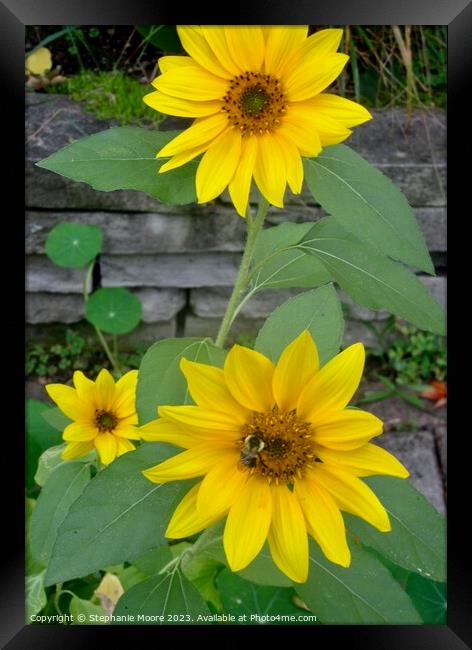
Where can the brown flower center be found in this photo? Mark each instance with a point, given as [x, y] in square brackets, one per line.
[277, 445]
[254, 103]
[105, 421]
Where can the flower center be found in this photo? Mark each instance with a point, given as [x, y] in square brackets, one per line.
[254, 103]
[277, 445]
[105, 421]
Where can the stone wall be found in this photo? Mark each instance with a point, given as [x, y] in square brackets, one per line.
[182, 261]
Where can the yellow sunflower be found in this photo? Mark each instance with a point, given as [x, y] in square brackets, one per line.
[280, 453]
[256, 94]
[104, 414]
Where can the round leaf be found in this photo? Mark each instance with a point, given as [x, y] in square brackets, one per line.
[73, 244]
[115, 311]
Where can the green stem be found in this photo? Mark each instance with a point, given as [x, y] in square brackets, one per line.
[253, 229]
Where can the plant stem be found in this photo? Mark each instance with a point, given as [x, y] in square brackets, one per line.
[253, 229]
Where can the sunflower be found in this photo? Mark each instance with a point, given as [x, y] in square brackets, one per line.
[104, 414]
[256, 94]
[279, 451]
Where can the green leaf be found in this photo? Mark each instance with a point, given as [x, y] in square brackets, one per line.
[278, 263]
[417, 540]
[90, 612]
[160, 380]
[71, 245]
[371, 279]
[51, 459]
[35, 595]
[163, 600]
[124, 158]
[152, 561]
[429, 598]
[65, 485]
[367, 204]
[40, 436]
[364, 593]
[257, 604]
[201, 570]
[319, 311]
[56, 418]
[114, 310]
[119, 516]
[164, 37]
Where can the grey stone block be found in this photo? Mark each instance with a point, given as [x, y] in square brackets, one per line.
[243, 328]
[160, 304]
[184, 271]
[417, 452]
[440, 433]
[43, 275]
[437, 286]
[54, 308]
[148, 333]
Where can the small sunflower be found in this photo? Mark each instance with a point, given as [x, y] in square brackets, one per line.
[279, 451]
[104, 414]
[256, 94]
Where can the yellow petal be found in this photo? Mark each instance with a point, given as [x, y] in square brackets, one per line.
[127, 431]
[80, 431]
[188, 464]
[85, 387]
[216, 39]
[182, 158]
[281, 45]
[324, 41]
[123, 445]
[246, 46]
[248, 523]
[222, 485]
[105, 444]
[301, 131]
[125, 395]
[192, 82]
[298, 363]
[202, 131]
[324, 521]
[248, 375]
[208, 388]
[364, 461]
[347, 429]
[170, 62]
[40, 61]
[180, 107]
[334, 385]
[269, 169]
[68, 401]
[162, 430]
[352, 495]
[313, 74]
[288, 540]
[76, 450]
[240, 184]
[303, 117]
[195, 43]
[343, 110]
[201, 418]
[293, 163]
[105, 390]
[217, 167]
[186, 520]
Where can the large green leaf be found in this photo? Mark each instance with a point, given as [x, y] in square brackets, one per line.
[85, 612]
[367, 203]
[51, 459]
[114, 310]
[364, 593]
[56, 418]
[40, 436]
[72, 245]
[417, 540]
[65, 485]
[119, 516]
[371, 279]
[163, 600]
[319, 311]
[160, 380]
[277, 263]
[124, 158]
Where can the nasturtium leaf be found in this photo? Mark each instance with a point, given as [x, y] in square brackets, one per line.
[114, 310]
[429, 598]
[119, 516]
[417, 540]
[160, 380]
[260, 605]
[278, 263]
[364, 593]
[370, 278]
[170, 596]
[56, 418]
[318, 311]
[368, 204]
[64, 486]
[51, 459]
[124, 158]
[72, 245]
[85, 612]
[40, 436]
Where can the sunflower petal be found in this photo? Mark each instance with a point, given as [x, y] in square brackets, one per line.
[344, 111]
[69, 402]
[364, 461]
[324, 521]
[298, 363]
[202, 131]
[288, 540]
[84, 386]
[105, 444]
[269, 169]
[192, 82]
[127, 431]
[301, 131]
[123, 445]
[222, 486]
[248, 375]
[246, 46]
[352, 495]
[105, 390]
[195, 44]
[182, 158]
[334, 385]
[196, 416]
[293, 163]
[188, 464]
[313, 74]
[186, 520]
[217, 167]
[345, 430]
[247, 524]
[76, 449]
[216, 39]
[170, 62]
[282, 44]
[180, 107]
[240, 184]
[79, 431]
[125, 395]
[303, 118]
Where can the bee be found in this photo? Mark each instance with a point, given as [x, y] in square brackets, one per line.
[253, 445]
